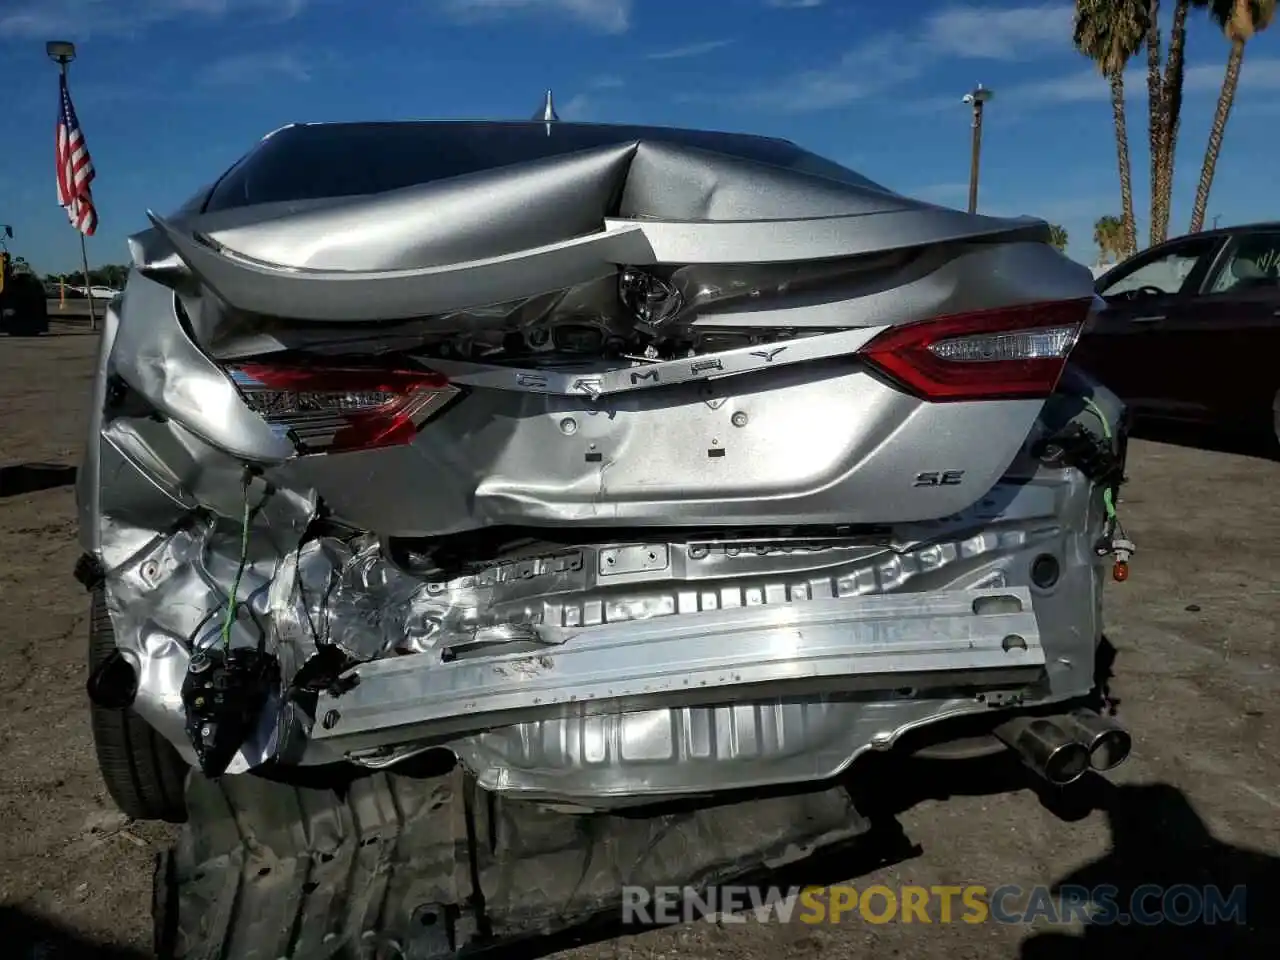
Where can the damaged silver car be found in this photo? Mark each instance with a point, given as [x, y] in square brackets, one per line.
[623, 464]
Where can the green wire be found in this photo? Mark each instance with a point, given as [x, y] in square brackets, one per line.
[1108, 496]
[1097, 412]
[235, 586]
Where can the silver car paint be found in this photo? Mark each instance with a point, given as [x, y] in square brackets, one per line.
[809, 438]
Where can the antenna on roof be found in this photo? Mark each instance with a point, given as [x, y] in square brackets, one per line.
[548, 112]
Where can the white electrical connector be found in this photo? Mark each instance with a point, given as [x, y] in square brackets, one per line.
[1122, 549]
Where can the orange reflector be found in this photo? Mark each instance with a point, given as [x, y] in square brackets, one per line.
[1120, 571]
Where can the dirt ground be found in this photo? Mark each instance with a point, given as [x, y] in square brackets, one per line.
[1196, 674]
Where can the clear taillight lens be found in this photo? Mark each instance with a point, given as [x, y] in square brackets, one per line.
[332, 409]
[1014, 352]
[1002, 347]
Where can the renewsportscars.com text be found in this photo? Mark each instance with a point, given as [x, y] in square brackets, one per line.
[1147, 905]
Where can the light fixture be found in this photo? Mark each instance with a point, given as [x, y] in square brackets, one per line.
[60, 51]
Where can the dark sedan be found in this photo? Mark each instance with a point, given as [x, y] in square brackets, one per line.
[1192, 330]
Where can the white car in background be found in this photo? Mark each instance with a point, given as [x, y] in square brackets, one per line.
[98, 293]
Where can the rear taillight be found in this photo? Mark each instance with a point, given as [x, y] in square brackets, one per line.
[1013, 352]
[330, 409]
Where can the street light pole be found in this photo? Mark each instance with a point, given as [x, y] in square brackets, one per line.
[976, 98]
[62, 52]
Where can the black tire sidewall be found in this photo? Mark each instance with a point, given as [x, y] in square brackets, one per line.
[142, 771]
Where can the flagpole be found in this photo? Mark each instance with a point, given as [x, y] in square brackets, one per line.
[88, 290]
[63, 52]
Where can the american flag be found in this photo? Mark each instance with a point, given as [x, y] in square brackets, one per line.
[75, 169]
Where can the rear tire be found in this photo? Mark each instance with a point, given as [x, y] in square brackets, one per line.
[143, 772]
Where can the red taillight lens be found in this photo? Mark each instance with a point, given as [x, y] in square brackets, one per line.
[343, 408]
[1014, 352]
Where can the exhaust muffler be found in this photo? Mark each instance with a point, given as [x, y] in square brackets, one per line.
[1108, 743]
[1046, 748]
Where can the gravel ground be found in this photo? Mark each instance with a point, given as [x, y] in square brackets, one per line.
[1196, 674]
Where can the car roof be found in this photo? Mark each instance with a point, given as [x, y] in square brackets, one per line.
[1257, 227]
[639, 130]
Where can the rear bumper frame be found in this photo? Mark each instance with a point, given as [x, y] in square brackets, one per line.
[911, 645]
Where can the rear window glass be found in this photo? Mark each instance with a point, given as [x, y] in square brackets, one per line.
[342, 160]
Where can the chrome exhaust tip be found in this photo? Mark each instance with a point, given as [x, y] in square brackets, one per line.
[1108, 743]
[1046, 748]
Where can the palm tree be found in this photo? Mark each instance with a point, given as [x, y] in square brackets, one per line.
[1167, 120]
[1155, 100]
[1239, 20]
[1058, 236]
[1109, 235]
[1110, 33]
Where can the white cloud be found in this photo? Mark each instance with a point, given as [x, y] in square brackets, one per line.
[76, 19]
[593, 102]
[688, 50]
[990, 33]
[248, 69]
[794, 4]
[1261, 74]
[608, 16]
[578, 108]
[1080, 85]
[862, 72]
[971, 32]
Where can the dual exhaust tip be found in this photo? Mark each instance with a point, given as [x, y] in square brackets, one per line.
[1063, 748]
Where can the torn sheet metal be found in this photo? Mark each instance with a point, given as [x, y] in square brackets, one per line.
[398, 867]
[351, 596]
[324, 604]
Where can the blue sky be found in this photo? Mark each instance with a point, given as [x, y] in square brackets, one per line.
[170, 92]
